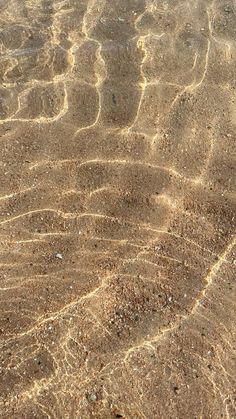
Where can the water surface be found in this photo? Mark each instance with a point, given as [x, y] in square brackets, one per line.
[117, 129]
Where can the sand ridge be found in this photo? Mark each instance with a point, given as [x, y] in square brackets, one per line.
[117, 221]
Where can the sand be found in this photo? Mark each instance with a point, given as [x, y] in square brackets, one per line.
[117, 227]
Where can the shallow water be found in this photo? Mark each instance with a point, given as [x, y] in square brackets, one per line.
[117, 129]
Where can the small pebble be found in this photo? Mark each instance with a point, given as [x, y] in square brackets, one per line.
[59, 256]
[227, 9]
[91, 397]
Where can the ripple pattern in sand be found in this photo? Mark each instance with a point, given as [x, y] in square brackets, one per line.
[117, 209]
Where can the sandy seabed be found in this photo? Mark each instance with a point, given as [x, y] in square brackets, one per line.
[117, 209]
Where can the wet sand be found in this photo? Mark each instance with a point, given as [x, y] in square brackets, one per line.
[117, 228]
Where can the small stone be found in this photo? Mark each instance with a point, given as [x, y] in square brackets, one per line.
[59, 256]
[227, 9]
[176, 389]
[91, 397]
